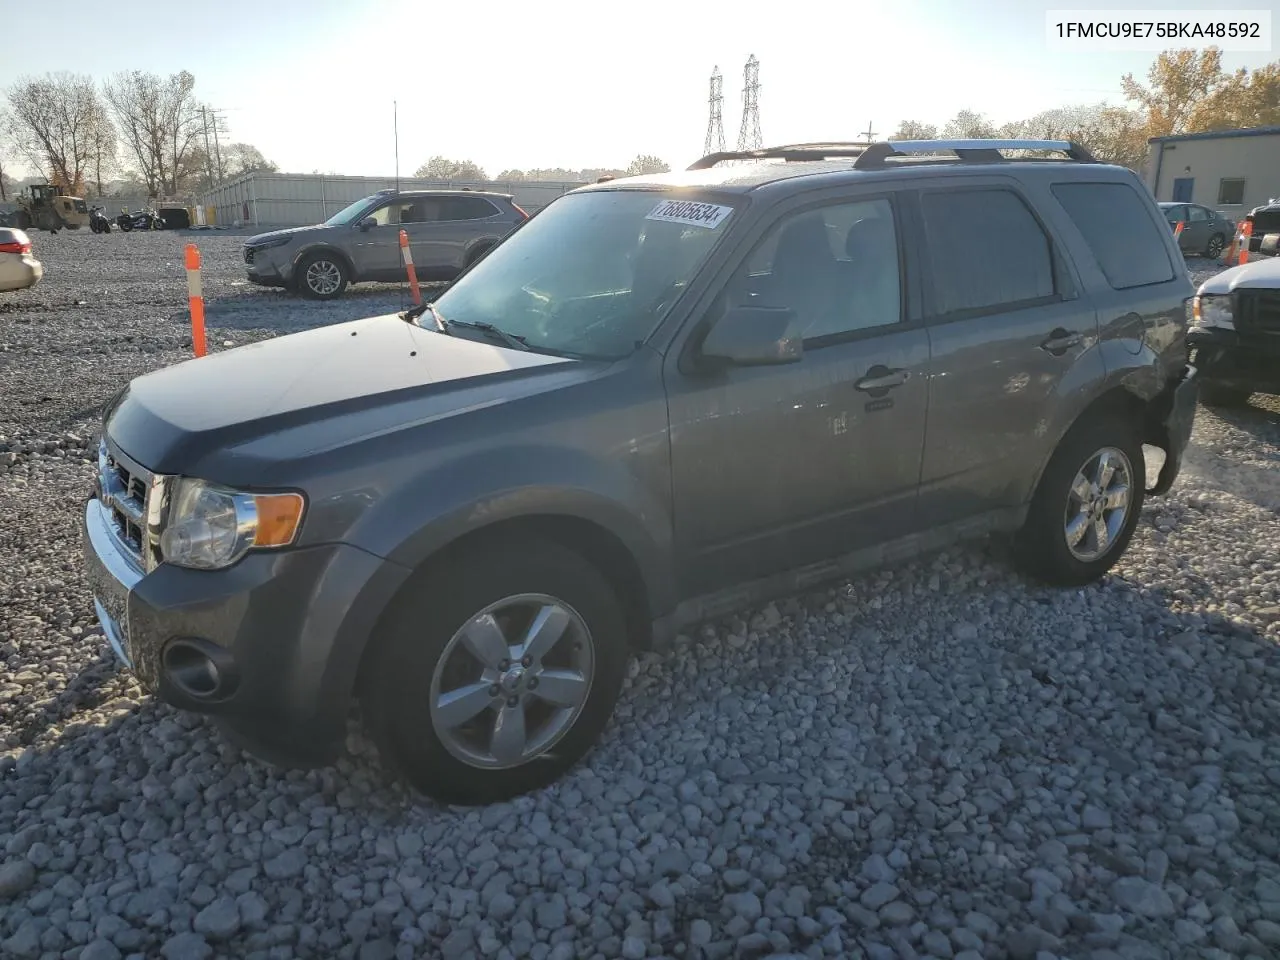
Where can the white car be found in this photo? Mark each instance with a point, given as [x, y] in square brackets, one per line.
[18, 268]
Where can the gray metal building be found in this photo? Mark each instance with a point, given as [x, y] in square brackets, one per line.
[1231, 171]
[293, 199]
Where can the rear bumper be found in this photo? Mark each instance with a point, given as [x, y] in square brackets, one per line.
[283, 632]
[20, 273]
[1224, 358]
[1176, 414]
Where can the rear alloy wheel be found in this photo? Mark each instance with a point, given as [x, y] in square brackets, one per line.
[322, 276]
[1087, 506]
[498, 675]
[1215, 245]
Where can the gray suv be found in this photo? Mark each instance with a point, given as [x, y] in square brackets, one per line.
[660, 400]
[448, 230]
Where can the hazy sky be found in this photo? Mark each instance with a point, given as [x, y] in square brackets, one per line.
[575, 84]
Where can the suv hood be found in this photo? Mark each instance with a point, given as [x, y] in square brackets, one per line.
[297, 394]
[1263, 274]
[270, 235]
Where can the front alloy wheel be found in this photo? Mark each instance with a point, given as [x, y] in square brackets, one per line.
[512, 681]
[496, 671]
[1098, 504]
[323, 277]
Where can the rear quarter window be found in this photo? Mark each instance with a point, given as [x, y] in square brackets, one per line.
[1117, 225]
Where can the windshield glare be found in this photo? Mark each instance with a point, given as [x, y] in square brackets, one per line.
[349, 214]
[593, 274]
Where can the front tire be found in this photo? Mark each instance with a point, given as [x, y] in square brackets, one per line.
[321, 276]
[1087, 505]
[499, 674]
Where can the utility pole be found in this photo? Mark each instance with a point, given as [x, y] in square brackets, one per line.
[208, 155]
[216, 148]
[869, 133]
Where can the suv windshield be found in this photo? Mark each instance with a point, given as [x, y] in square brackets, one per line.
[593, 274]
[350, 214]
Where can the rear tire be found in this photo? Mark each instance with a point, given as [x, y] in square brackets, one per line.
[1087, 505]
[421, 657]
[321, 276]
[1217, 395]
[1214, 247]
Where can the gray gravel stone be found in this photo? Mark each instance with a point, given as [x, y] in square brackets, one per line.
[16, 876]
[1142, 897]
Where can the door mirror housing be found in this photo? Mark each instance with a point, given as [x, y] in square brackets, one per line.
[368, 223]
[752, 336]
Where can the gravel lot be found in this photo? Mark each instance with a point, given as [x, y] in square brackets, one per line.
[935, 761]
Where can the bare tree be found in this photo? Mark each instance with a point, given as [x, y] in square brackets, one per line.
[914, 130]
[967, 125]
[647, 163]
[102, 145]
[159, 120]
[53, 119]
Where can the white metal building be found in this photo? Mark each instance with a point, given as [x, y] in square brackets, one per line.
[1231, 171]
[293, 199]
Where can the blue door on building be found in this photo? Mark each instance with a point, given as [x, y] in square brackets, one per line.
[1182, 189]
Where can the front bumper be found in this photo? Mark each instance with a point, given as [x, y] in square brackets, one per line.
[1176, 413]
[265, 272]
[1226, 359]
[285, 631]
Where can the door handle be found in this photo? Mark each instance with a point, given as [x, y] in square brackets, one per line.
[881, 379]
[1060, 341]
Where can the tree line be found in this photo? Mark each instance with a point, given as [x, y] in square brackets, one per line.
[1186, 91]
[150, 131]
[442, 168]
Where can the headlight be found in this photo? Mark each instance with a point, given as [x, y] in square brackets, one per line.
[211, 527]
[268, 244]
[1212, 310]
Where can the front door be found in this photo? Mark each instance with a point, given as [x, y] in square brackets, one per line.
[376, 249]
[775, 467]
[1006, 326]
[1182, 189]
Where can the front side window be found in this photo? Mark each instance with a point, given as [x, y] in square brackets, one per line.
[986, 251]
[594, 273]
[351, 213]
[835, 266]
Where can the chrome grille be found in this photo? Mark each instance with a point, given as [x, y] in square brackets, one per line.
[1259, 312]
[130, 498]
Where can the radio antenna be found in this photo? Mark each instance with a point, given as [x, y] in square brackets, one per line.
[395, 131]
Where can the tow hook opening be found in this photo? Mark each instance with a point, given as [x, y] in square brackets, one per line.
[200, 670]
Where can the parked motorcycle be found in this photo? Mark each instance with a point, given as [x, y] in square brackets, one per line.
[98, 221]
[142, 220]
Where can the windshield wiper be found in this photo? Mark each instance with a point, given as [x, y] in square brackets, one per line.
[513, 340]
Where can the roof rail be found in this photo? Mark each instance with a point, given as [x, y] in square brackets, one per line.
[985, 150]
[789, 152]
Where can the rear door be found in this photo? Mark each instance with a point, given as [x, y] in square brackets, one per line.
[1007, 324]
[444, 228]
[1195, 235]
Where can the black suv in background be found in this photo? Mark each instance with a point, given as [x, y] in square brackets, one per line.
[661, 399]
[448, 230]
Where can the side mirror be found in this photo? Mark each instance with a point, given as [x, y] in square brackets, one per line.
[368, 223]
[753, 336]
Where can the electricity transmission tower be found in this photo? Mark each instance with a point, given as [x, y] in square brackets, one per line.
[868, 133]
[749, 133]
[715, 124]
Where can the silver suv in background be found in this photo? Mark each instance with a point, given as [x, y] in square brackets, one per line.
[448, 230]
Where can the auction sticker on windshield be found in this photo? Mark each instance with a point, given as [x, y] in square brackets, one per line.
[709, 215]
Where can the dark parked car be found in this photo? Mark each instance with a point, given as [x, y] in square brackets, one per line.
[448, 230]
[1266, 221]
[1205, 232]
[1235, 333]
[661, 399]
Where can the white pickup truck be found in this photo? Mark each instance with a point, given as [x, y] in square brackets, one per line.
[1234, 335]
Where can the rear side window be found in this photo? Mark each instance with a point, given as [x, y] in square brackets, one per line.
[1116, 224]
[986, 251]
[465, 208]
